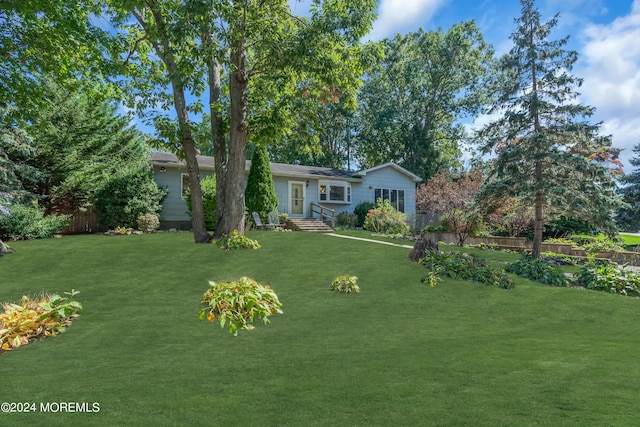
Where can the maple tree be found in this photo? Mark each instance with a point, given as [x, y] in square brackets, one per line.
[453, 200]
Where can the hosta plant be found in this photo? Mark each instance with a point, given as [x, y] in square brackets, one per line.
[609, 277]
[239, 304]
[236, 241]
[539, 270]
[458, 265]
[33, 318]
[346, 284]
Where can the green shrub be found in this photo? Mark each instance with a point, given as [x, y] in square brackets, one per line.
[29, 222]
[602, 245]
[208, 186]
[239, 304]
[260, 194]
[236, 241]
[608, 277]
[345, 219]
[361, 212]
[126, 197]
[384, 219]
[539, 270]
[346, 284]
[458, 265]
[34, 318]
[148, 223]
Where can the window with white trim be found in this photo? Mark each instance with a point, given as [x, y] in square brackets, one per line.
[334, 192]
[395, 197]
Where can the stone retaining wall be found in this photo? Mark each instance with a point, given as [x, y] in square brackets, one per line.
[521, 243]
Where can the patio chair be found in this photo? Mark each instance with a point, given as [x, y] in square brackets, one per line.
[262, 226]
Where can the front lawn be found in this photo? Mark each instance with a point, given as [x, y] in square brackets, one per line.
[397, 353]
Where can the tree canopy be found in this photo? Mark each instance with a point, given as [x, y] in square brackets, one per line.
[412, 101]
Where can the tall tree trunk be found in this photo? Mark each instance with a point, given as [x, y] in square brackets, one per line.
[200, 234]
[219, 143]
[164, 50]
[538, 228]
[233, 215]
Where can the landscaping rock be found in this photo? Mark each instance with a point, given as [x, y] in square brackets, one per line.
[4, 249]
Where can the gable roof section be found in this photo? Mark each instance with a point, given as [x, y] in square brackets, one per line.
[414, 177]
[277, 169]
[171, 160]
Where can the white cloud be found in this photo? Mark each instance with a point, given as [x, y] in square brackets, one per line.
[401, 16]
[610, 65]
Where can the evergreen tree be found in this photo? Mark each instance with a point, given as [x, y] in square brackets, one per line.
[260, 194]
[629, 216]
[547, 150]
[81, 143]
[16, 149]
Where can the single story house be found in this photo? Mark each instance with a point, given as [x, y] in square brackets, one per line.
[297, 187]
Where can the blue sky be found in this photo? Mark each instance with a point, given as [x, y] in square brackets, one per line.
[606, 34]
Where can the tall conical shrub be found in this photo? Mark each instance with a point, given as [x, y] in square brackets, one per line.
[260, 194]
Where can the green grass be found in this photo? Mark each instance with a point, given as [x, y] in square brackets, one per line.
[397, 353]
[630, 240]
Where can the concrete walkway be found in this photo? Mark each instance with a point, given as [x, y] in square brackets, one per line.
[370, 240]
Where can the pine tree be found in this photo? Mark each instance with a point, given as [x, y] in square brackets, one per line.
[629, 216]
[547, 151]
[260, 194]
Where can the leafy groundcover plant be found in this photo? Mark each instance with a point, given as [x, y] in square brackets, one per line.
[239, 304]
[34, 318]
[458, 265]
[236, 241]
[609, 277]
[346, 284]
[539, 270]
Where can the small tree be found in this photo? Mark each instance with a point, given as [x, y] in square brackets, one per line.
[260, 194]
[452, 199]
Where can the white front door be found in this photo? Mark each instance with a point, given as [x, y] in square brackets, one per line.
[297, 193]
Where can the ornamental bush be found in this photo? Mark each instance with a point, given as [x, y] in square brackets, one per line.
[361, 211]
[345, 219]
[148, 223]
[384, 219]
[29, 222]
[33, 318]
[126, 197]
[239, 304]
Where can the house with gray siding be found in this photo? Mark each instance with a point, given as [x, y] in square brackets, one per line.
[297, 187]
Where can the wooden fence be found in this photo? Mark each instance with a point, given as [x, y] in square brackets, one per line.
[82, 222]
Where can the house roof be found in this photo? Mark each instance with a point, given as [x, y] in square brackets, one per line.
[284, 169]
[277, 169]
[400, 169]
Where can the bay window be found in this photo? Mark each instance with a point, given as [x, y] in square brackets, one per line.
[334, 192]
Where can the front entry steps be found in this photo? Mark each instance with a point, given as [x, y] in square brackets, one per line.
[311, 225]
